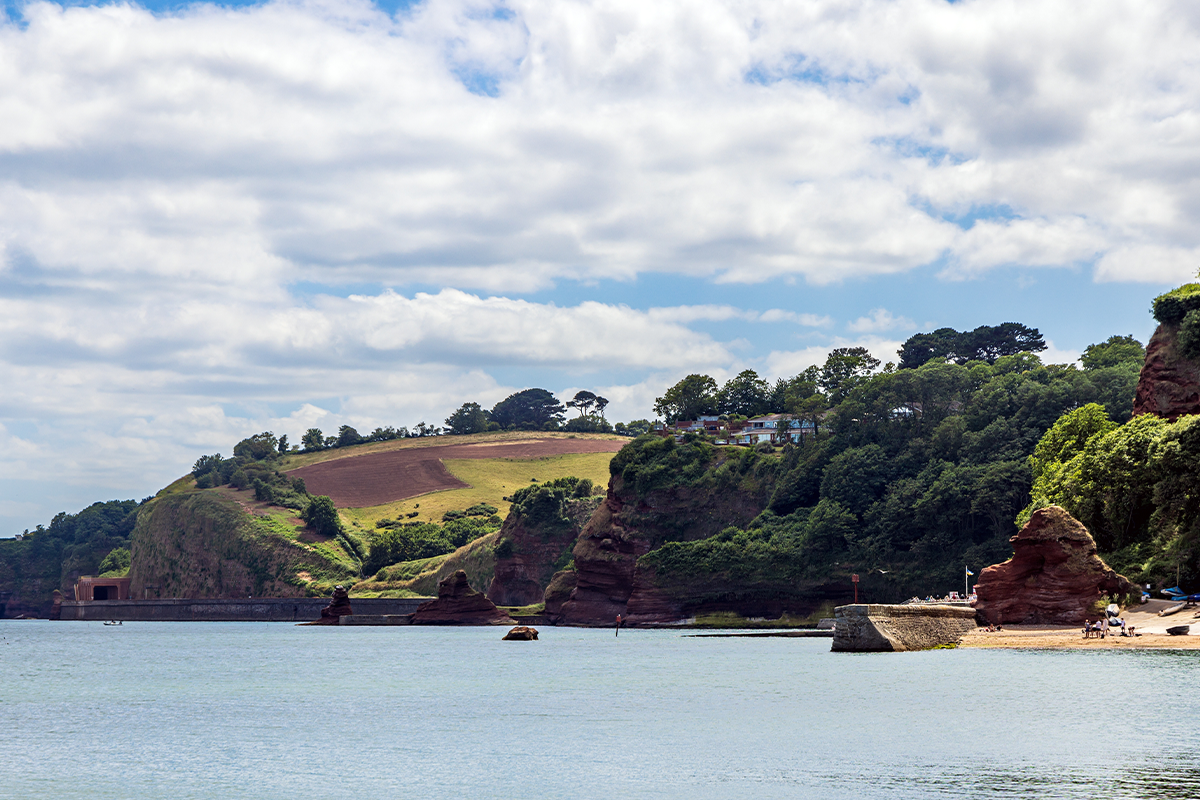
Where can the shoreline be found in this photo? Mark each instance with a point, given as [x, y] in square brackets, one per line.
[1152, 630]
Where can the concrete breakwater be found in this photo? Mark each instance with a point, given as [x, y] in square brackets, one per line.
[264, 609]
[885, 628]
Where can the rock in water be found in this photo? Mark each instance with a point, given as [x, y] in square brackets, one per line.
[458, 604]
[339, 606]
[521, 633]
[1053, 578]
[1169, 385]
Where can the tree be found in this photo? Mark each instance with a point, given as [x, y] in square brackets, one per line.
[688, 399]
[313, 439]
[601, 404]
[1113, 351]
[347, 436]
[745, 394]
[583, 400]
[811, 408]
[530, 409]
[985, 343]
[941, 345]
[283, 444]
[422, 430]
[469, 418]
[844, 369]
[635, 428]
[257, 447]
[206, 464]
[990, 342]
[321, 515]
[787, 392]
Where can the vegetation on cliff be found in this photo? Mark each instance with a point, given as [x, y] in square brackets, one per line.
[53, 557]
[915, 473]
[1134, 484]
[205, 544]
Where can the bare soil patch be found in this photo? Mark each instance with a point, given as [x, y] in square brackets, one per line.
[373, 479]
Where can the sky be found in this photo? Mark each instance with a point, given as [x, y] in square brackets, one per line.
[222, 219]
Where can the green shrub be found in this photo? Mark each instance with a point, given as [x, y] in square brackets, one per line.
[117, 561]
[1175, 304]
[321, 515]
[1189, 334]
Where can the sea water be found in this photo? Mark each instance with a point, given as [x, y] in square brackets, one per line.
[223, 711]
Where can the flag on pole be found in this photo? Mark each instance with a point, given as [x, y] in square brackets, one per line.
[968, 569]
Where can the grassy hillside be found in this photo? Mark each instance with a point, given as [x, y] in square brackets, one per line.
[221, 543]
[491, 481]
[296, 460]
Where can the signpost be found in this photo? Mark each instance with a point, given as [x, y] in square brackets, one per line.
[854, 580]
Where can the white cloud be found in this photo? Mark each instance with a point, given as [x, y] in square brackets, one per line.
[328, 141]
[179, 192]
[880, 319]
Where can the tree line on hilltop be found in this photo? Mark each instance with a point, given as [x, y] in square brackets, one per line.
[810, 394]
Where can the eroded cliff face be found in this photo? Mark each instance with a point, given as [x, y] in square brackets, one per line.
[625, 527]
[533, 553]
[1169, 384]
[206, 545]
[1055, 576]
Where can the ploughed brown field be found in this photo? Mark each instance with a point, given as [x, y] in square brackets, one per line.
[373, 479]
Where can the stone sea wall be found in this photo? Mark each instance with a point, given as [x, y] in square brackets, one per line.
[266, 609]
[883, 628]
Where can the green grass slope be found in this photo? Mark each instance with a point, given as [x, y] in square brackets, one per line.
[215, 543]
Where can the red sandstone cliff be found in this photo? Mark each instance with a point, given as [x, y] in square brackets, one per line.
[1055, 576]
[1169, 385]
[624, 528]
[535, 553]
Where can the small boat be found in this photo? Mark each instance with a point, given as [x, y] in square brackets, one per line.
[1166, 612]
[1179, 630]
[113, 622]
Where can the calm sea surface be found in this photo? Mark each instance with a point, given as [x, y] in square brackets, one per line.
[268, 710]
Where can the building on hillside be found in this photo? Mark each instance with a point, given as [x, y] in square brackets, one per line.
[89, 589]
[776, 429]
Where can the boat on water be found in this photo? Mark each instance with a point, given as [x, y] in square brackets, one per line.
[112, 622]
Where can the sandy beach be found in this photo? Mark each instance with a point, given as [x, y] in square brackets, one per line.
[1144, 619]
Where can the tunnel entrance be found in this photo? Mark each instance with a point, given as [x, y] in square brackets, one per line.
[101, 592]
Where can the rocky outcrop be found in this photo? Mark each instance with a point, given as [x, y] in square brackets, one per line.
[339, 606]
[1055, 576]
[557, 593]
[882, 628]
[625, 527]
[458, 604]
[521, 633]
[1169, 385]
[531, 551]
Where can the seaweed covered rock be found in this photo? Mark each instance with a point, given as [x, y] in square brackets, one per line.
[1054, 577]
[458, 604]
